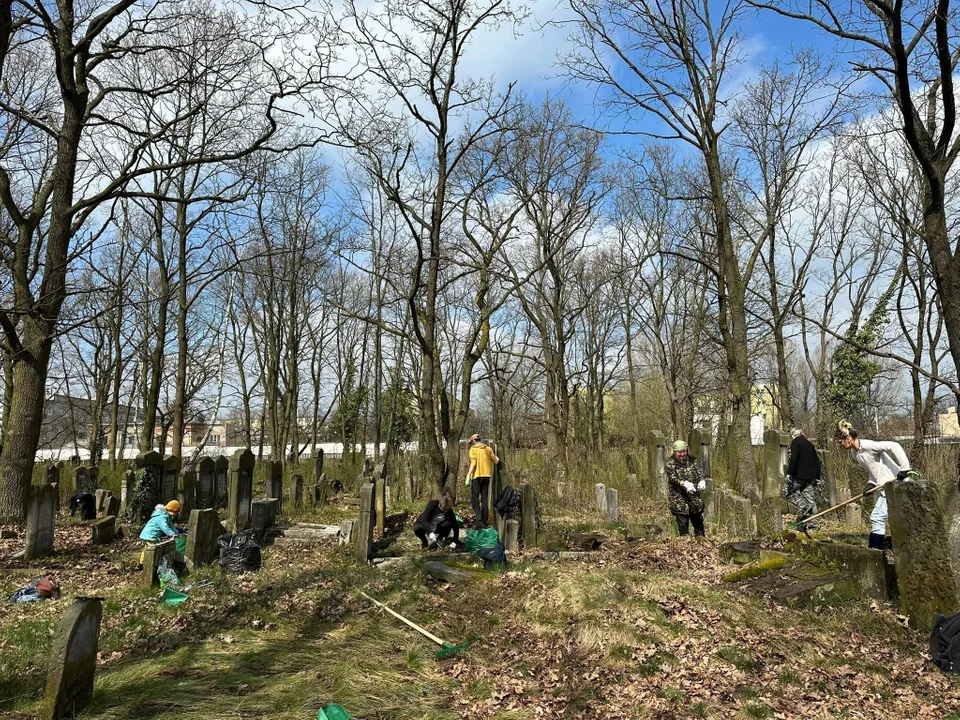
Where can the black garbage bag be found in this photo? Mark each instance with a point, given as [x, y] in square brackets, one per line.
[239, 552]
[494, 558]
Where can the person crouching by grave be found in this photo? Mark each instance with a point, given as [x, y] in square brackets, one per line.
[482, 461]
[803, 475]
[437, 521]
[883, 461]
[160, 526]
[685, 478]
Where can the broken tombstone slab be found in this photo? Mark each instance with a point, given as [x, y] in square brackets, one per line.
[448, 573]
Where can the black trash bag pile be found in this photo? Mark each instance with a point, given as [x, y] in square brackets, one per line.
[239, 552]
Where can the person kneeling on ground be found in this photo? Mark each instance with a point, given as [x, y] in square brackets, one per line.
[686, 481]
[160, 526]
[437, 521]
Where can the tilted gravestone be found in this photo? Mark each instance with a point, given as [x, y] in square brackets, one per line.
[221, 481]
[113, 506]
[73, 660]
[320, 490]
[528, 509]
[102, 496]
[318, 466]
[922, 522]
[153, 555]
[103, 530]
[656, 465]
[600, 497]
[274, 481]
[298, 491]
[240, 492]
[206, 469]
[41, 520]
[149, 471]
[613, 505]
[203, 529]
[52, 474]
[364, 526]
[171, 473]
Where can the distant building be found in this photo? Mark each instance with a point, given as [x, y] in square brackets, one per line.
[949, 423]
[68, 421]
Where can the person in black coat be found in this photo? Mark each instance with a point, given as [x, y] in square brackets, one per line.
[803, 474]
[437, 521]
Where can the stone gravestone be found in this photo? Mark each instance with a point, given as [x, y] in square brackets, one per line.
[380, 505]
[52, 474]
[221, 481]
[150, 464]
[41, 519]
[529, 516]
[921, 525]
[274, 482]
[613, 506]
[203, 529]
[113, 506]
[699, 444]
[770, 508]
[364, 526]
[298, 491]
[100, 500]
[73, 660]
[240, 492]
[81, 483]
[656, 465]
[206, 469]
[600, 497]
[318, 466]
[633, 467]
[152, 557]
[104, 530]
[263, 516]
[127, 484]
[171, 472]
[188, 492]
[320, 490]
[511, 537]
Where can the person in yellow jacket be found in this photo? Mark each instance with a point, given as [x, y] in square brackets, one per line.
[482, 461]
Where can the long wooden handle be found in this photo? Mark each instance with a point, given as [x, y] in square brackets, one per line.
[840, 505]
[402, 619]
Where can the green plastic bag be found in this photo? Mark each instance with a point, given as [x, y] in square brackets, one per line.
[181, 542]
[479, 539]
[171, 597]
[459, 519]
[333, 712]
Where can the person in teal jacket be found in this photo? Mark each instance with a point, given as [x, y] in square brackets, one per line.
[160, 525]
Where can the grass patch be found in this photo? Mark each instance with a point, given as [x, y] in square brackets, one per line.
[738, 658]
[789, 677]
[757, 710]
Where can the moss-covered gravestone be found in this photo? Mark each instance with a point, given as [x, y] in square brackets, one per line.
[73, 660]
[240, 492]
[921, 528]
[41, 520]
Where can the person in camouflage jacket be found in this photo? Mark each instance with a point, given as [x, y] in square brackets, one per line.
[685, 478]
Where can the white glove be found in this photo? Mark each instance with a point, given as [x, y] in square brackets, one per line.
[689, 486]
[432, 537]
[453, 546]
[701, 485]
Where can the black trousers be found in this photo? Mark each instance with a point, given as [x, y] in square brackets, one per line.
[420, 529]
[684, 521]
[479, 499]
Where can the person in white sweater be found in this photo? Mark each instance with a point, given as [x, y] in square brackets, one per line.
[883, 461]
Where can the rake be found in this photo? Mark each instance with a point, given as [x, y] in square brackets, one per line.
[446, 649]
[802, 524]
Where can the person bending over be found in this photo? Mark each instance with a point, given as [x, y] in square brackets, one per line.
[437, 521]
[160, 526]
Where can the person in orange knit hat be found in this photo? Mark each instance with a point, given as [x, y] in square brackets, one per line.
[160, 525]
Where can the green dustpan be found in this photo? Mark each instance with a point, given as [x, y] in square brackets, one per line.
[333, 712]
[172, 597]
